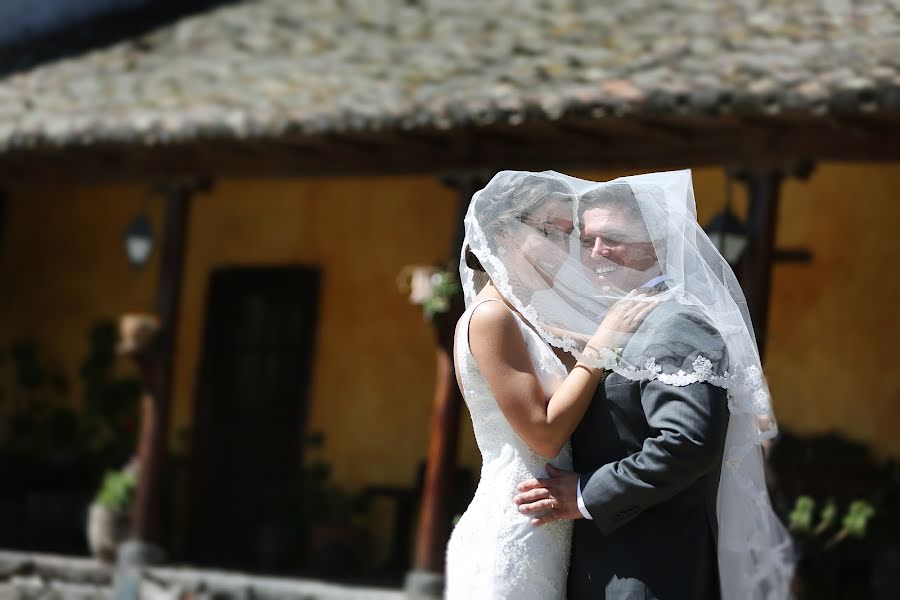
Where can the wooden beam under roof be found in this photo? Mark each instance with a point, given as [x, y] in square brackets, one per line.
[608, 143]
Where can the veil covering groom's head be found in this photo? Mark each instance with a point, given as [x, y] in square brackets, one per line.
[616, 241]
[564, 250]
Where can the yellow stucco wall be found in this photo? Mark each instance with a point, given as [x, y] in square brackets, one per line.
[373, 371]
[832, 324]
[373, 375]
[63, 266]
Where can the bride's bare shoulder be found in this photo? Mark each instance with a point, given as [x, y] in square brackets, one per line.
[495, 336]
[490, 317]
[492, 326]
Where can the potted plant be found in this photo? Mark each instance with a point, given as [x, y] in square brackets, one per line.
[818, 537]
[109, 516]
[333, 520]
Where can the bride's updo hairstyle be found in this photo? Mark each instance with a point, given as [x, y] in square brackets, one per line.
[516, 198]
[513, 200]
[472, 261]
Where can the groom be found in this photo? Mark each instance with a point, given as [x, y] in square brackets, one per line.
[647, 455]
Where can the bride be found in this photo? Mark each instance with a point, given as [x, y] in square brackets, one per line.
[524, 397]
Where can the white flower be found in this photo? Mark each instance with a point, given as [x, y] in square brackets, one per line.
[421, 285]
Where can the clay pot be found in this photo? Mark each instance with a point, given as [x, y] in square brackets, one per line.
[106, 530]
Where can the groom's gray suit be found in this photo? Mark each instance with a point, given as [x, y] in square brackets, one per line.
[649, 456]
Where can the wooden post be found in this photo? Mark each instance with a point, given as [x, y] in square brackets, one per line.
[160, 364]
[3, 209]
[763, 187]
[764, 194]
[426, 580]
[437, 493]
[150, 341]
[154, 355]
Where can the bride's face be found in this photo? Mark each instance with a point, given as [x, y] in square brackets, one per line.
[535, 245]
[544, 241]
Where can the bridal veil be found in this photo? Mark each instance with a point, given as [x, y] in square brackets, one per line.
[563, 250]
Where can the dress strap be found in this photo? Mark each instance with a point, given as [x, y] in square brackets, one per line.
[524, 326]
[482, 301]
[463, 330]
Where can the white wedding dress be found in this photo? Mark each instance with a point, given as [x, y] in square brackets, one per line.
[494, 551]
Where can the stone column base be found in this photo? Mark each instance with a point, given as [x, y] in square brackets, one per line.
[132, 556]
[424, 585]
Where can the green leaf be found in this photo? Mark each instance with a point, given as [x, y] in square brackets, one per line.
[801, 517]
[857, 518]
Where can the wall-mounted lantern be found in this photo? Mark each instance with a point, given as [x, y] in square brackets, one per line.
[139, 241]
[726, 231]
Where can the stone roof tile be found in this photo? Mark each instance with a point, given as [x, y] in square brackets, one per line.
[269, 67]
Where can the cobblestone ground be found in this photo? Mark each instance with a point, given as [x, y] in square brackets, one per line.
[45, 577]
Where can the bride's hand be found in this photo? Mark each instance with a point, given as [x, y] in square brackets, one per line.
[623, 319]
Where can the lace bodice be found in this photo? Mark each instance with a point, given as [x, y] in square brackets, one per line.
[495, 552]
[492, 431]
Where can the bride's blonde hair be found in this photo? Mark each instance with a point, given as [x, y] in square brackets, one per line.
[516, 199]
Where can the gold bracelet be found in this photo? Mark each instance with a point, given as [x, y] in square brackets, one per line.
[589, 369]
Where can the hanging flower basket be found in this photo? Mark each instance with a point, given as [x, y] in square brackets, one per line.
[432, 288]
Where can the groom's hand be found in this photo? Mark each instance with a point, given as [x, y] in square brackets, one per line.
[555, 496]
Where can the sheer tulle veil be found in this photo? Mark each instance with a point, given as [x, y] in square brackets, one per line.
[536, 235]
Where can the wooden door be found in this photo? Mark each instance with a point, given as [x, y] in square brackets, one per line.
[253, 394]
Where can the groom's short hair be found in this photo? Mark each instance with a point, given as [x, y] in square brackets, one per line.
[615, 195]
[611, 195]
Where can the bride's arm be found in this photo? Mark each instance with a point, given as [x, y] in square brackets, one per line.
[503, 359]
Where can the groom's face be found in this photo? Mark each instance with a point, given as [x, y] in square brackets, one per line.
[617, 249]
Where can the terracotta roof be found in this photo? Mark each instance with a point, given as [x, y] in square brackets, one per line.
[274, 67]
